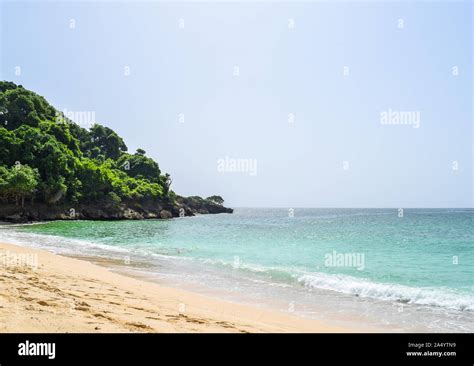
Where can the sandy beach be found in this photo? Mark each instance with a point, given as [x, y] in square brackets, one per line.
[44, 292]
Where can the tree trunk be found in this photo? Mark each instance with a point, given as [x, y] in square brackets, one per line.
[22, 201]
[16, 200]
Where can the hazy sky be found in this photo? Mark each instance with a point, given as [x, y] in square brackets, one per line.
[299, 90]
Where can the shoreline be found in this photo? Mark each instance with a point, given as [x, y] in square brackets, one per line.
[66, 294]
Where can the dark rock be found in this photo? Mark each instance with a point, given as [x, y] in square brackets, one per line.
[183, 206]
[165, 214]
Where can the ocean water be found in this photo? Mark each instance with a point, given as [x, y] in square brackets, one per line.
[366, 268]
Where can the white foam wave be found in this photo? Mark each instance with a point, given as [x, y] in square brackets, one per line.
[393, 292]
[70, 246]
[56, 244]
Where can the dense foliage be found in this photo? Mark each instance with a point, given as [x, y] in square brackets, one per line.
[216, 199]
[48, 158]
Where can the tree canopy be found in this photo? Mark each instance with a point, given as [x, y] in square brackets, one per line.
[216, 199]
[54, 160]
[18, 182]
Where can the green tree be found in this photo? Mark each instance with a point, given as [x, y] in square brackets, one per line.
[4, 177]
[110, 144]
[216, 199]
[10, 147]
[140, 167]
[21, 182]
[19, 106]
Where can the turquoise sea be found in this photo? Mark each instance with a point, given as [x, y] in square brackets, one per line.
[380, 268]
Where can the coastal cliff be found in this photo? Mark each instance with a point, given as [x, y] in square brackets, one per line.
[106, 211]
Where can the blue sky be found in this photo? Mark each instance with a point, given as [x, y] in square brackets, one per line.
[399, 56]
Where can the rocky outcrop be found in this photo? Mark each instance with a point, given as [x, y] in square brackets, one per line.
[200, 205]
[184, 206]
